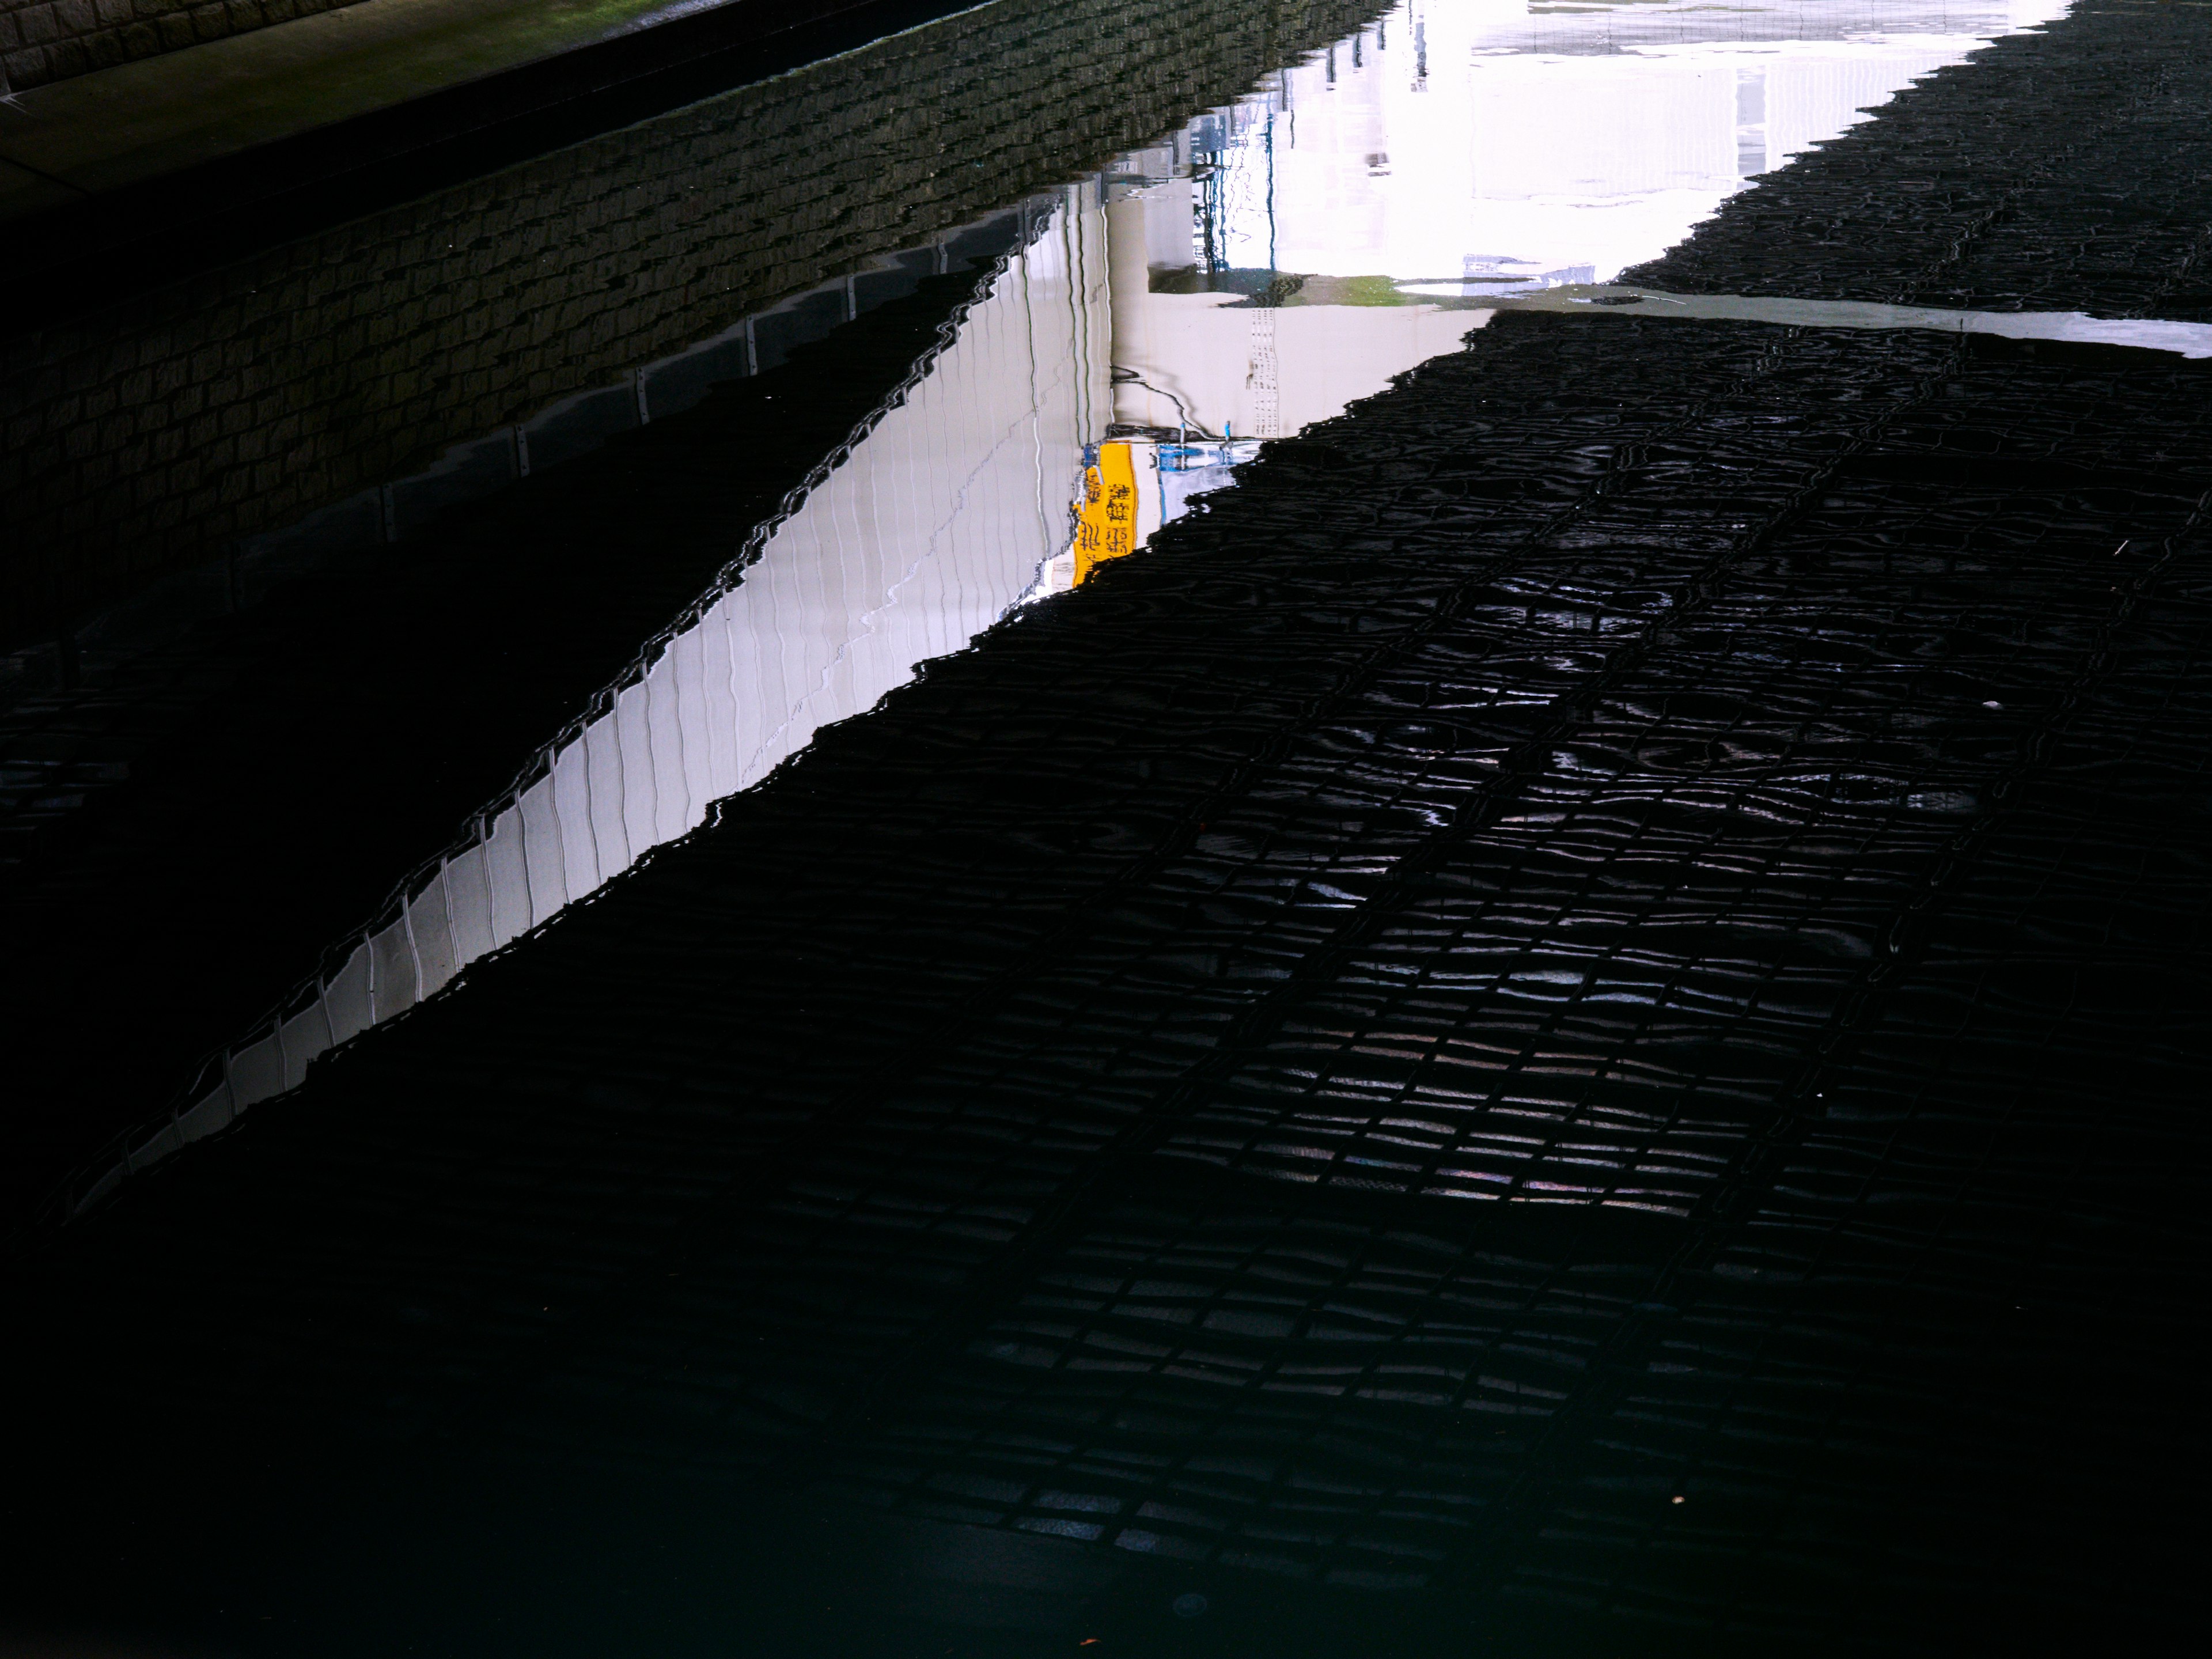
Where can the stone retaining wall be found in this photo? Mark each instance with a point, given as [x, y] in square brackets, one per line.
[144, 439]
[43, 40]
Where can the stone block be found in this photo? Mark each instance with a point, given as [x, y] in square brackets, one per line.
[66, 57]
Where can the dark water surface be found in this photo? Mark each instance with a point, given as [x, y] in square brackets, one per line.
[1568, 1016]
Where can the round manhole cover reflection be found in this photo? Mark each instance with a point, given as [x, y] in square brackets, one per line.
[1189, 1606]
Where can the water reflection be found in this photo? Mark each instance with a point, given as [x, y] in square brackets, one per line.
[1275, 262]
[1250, 274]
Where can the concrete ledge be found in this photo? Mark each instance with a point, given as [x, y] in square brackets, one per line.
[155, 116]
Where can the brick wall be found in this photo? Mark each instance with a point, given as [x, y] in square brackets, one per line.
[43, 40]
[143, 440]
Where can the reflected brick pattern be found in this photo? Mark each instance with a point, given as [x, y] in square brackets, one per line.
[43, 40]
[142, 440]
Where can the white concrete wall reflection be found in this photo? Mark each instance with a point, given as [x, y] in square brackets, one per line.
[927, 527]
[1265, 372]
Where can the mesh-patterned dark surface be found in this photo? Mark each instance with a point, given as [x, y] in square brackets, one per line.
[1574, 1018]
